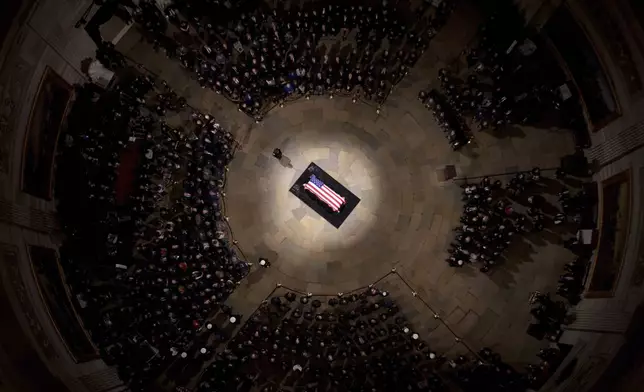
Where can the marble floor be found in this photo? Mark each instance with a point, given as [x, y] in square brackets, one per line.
[380, 163]
[394, 162]
[404, 220]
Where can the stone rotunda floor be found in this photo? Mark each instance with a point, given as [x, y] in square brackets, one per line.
[393, 162]
[381, 160]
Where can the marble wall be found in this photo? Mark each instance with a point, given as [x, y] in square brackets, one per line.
[43, 36]
[618, 38]
[618, 41]
[619, 146]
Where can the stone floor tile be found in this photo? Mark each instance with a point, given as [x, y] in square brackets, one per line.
[455, 316]
[467, 324]
[405, 217]
[486, 321]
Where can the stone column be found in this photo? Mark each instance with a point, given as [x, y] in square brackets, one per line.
[610, 321]
[621, 144]
[28, 217]
[103, 380]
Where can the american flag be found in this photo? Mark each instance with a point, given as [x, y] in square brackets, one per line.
[324, 193]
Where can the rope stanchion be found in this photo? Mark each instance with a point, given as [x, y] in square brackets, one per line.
[392, 272]
[414, 293]
[234, 242]
[500, 174]
[335, 294]
[437, 316]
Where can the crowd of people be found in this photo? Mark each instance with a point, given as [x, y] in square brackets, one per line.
[151, 264]
[576, 207]
[507, 80]
[571, 282]
[495, 214]
[550, 316]
[487, 372]
[145, 251]
[259, 56]
[549, 360]
[490, 221]
[360, 341]
[449, 120]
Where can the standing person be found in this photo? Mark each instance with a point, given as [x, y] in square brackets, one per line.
[277, 153]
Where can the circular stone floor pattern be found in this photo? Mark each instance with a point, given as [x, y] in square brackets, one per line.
[383, 162]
